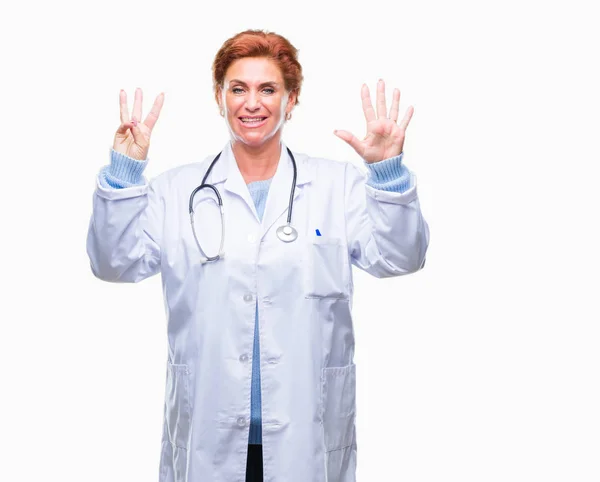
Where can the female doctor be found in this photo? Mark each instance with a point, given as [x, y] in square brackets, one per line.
[260, 378]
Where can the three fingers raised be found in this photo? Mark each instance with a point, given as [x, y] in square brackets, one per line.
[152, 116]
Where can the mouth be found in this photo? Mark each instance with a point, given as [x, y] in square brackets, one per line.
[252, 121]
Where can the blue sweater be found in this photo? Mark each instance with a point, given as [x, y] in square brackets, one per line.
[388, 175]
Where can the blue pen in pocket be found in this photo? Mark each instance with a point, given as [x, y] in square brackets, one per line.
[318, 232]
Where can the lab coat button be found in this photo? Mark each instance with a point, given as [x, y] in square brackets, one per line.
[241, 421]
[244, 358]
[248, 297]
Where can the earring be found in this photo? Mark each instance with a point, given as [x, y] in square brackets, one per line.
[222, 113]
[288, 116]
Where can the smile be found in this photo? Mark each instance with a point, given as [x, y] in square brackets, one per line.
[252, 122]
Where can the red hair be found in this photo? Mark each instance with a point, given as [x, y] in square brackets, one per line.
[259, 43]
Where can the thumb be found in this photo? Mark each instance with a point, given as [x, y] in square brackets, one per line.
[350, 139]
[123, 128]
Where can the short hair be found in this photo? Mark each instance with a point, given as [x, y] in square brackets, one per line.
[259, 43]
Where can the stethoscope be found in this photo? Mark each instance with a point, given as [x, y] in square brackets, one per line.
[286, 233]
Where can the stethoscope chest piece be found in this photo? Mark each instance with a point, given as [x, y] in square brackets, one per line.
[287, 233]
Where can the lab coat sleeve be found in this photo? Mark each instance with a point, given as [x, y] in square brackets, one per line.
[387, 234]
[125, 229]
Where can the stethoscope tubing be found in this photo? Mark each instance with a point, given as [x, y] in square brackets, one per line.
[220, 202]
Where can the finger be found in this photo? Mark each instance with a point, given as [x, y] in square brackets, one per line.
[137, 104]
[124, 127]
[395, 106]
[152, 116]
[350, 139]
[139, 138]
[123, 107]
[407, 117]
[381, 107]
[366, 104]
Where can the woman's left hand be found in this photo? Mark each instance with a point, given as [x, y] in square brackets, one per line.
[385, 138]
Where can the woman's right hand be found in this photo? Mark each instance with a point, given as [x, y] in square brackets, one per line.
[133, 137]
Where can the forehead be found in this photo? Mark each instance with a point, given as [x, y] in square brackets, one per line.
[254, 70]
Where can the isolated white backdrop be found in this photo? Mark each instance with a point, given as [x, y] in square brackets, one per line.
[481, 367]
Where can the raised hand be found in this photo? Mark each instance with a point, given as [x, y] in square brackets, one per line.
[133, 137]
[385, 138]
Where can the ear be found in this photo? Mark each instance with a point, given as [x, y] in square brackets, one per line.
[291, 101]
[219, 101]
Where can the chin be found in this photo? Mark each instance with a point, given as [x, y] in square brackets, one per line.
[254, 139]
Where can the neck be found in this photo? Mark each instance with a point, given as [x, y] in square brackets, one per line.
[257, 163]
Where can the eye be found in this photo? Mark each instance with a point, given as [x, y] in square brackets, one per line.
[269, 89]
[236, 88]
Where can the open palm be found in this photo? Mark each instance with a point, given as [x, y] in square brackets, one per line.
[385, 138]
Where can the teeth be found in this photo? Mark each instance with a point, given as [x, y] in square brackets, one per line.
[250, 120]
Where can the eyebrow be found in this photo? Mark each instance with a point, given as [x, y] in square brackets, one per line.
[244, 83]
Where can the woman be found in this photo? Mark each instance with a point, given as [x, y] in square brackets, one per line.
[260, 371]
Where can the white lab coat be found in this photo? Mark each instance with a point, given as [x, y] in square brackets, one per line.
[304, 291]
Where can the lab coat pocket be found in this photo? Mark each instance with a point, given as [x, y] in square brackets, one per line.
[324, 275]
[178, 413]
[338, 404]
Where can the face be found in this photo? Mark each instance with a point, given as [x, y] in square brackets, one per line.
[254, 100]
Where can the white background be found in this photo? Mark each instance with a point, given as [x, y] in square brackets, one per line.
[484, 366]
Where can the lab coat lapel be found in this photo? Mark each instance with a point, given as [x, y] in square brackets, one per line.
[278, 199]
[235, 181]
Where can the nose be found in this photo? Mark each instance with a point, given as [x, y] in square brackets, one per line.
[252, 101]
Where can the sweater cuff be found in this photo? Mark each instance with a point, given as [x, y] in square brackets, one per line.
[389, 174]
[123, 171]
